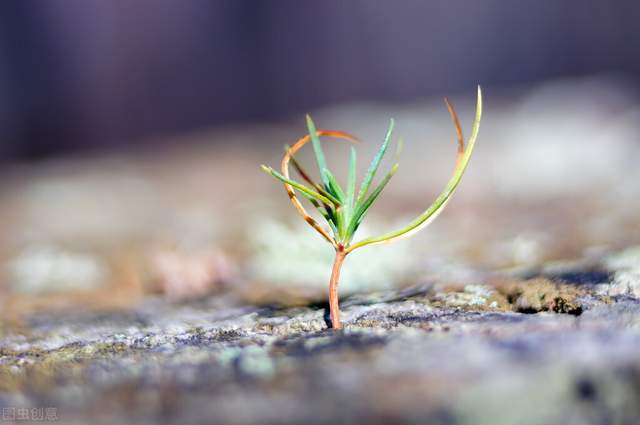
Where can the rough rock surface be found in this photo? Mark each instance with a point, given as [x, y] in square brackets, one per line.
[425, 354]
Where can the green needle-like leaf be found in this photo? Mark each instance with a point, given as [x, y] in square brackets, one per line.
[331, 213]
[326, 211]
[438, 205]
[334, 188]
[341, 223]
[309, 193]
[375, 163]
[362, 208]
[317, 149]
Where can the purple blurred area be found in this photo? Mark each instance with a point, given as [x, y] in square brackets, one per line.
[89, 75]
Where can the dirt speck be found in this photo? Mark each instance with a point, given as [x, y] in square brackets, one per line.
[538, 295]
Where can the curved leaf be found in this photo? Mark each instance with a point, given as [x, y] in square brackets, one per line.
[432, 212]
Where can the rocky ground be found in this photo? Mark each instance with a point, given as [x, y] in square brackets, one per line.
[143, 290]
[556, 348]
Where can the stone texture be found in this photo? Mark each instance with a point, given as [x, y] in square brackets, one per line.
[423, 354]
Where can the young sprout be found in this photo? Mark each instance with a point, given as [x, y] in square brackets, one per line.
[344, 209]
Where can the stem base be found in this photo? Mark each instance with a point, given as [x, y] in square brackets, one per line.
[334, 307]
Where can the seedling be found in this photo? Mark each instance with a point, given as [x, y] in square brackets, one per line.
[345, 209]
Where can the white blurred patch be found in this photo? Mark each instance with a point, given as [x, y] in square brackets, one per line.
[46, 268]
[298, 257]
[626, 280]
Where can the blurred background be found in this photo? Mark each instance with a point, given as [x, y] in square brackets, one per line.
[92, 75]
[131, 134]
